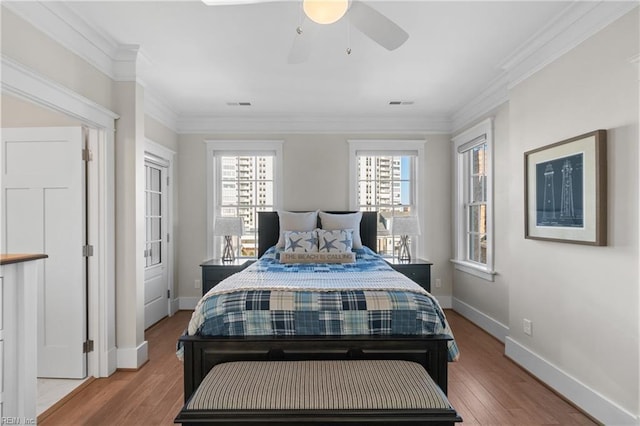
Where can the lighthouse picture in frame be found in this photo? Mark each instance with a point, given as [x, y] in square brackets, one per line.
[566, 190]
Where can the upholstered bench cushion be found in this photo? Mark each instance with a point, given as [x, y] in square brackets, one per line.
[318, 385]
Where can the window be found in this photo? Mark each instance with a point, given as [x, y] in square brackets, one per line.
[244, 178]
[384, 176]
[476, 204]
[153, 214]
[473, 208]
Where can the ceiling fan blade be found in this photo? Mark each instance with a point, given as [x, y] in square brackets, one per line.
[376, 26]
[303, 42]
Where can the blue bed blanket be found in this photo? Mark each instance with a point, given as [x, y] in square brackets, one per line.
[367, 297]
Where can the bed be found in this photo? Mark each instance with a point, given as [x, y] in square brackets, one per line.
[251, 316]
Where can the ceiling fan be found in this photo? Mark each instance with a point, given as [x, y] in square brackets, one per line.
[365, 18]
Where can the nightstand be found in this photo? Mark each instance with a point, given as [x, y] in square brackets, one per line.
[417, 269]
[215, 270]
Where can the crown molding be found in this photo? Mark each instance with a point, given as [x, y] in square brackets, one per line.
[577, 22]
[125, 63]
[283, 124]
[489, 99]
[60, 23]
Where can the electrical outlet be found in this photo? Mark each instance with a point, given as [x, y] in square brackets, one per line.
[197, 283]
[527, 327]
[438, 283]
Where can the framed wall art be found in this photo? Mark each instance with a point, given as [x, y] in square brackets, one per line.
[566, 190]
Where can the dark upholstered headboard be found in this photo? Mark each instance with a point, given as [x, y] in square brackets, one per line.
[269, 229]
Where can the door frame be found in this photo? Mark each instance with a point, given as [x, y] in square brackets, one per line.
[165, 157]
[22, 82]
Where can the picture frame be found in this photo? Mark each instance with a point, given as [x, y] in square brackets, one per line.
[566, 190]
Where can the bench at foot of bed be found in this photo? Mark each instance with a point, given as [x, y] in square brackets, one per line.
[318, 391]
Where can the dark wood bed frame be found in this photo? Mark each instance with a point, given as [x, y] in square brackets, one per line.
[202, 353]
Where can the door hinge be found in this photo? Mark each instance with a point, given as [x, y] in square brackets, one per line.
[87, 346]
[168, 294]
[87, 251]
[168, 238]
[87, 155]
[168, 180]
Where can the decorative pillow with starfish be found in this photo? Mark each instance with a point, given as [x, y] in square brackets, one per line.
[335, 241]
[301, 241]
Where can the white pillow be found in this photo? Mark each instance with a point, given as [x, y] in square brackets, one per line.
[336, 241]
[331, 222]
[301, 241]
[290, 221]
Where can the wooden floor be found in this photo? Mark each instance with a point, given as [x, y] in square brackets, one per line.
[484, 386]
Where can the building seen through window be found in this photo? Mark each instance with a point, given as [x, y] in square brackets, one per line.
[477, 205]
[386, 184]
[247, 187]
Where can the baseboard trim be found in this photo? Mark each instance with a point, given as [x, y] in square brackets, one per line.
[187, 303]
[482, 320]
[55, 407]
[133, 357]
[112, 361]
[175, 305]
[587, 399]
[133, 370]
[444, 301]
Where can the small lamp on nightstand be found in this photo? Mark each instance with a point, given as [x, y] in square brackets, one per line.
[405, 226]
[228, 227]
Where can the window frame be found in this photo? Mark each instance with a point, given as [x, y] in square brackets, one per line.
[463, 145]
[391, 147]
[215, 148]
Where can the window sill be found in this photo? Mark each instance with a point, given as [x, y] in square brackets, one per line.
[473, 269]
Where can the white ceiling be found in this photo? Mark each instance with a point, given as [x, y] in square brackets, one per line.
[195, 59]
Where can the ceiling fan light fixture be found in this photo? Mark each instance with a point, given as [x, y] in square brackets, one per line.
[325, 11]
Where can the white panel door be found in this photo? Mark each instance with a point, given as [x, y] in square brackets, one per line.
[43, 196]
[155, 275]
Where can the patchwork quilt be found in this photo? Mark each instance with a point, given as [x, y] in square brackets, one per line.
[367, 297]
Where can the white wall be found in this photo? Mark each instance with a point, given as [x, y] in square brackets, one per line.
[487, 302]
[583, 300]
[316, 176]
[129, 224]
[51, 60]
[436, 223]
[19, 113]
[159, 133]
[577, 295]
